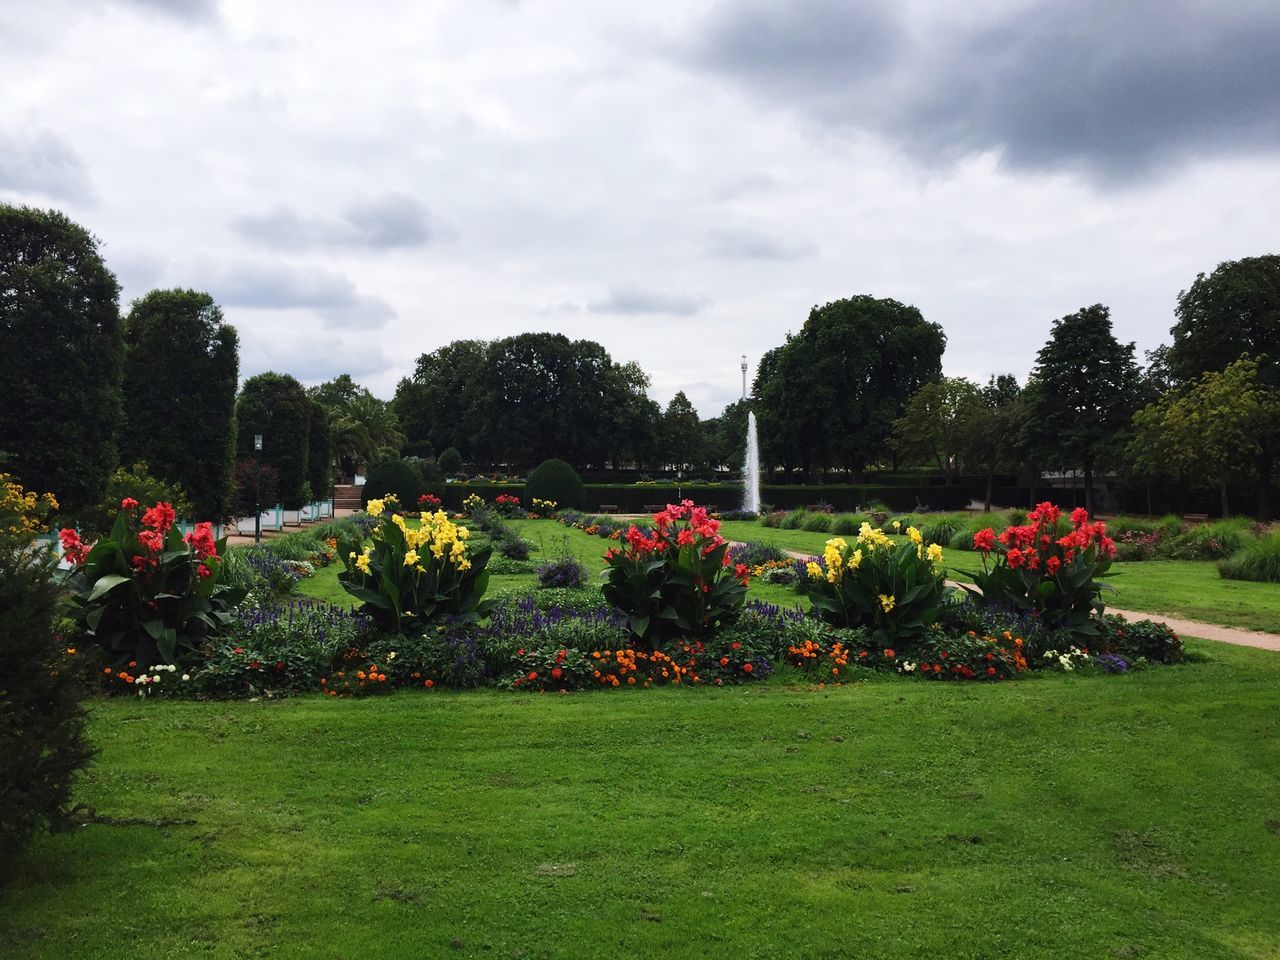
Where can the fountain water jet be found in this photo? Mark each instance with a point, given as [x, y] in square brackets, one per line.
[751, 469]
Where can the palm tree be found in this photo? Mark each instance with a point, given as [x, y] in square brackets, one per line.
[365, 429]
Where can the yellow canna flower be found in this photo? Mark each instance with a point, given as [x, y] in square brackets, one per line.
[935, 553]
[411, 558]
[374, 508]
[887, 602]
[362, 562]
[813, 570]
[914, 536]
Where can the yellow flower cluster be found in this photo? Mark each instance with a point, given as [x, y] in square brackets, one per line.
[375, 507]
[362, 560]
[873, 539]
[838, 559]
[437, 534]
[23, 512]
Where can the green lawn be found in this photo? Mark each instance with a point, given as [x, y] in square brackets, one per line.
[1061, 816]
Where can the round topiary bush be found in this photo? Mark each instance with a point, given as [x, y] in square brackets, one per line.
[556, 480]
[394, 476]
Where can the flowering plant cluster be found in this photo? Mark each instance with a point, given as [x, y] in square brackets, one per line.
[471, 501]
[677, 579]
[508, 505]
[1047, 566]
[429, 502]
[145, 592]
[895, 590]
[413, 575]
[23, 513]
[541, 508]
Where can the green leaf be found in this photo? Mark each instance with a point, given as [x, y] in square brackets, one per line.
[107, 583]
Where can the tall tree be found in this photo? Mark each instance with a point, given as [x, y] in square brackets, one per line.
[1210, 430]
[990, 439]
[334, 393]
[1083, 392]
[181, 366]
[276, 406]
[681, 433]
[936, 422]
[432, 404]
[319, 450]
[60, 356]
[1233, 311]
[840, 383]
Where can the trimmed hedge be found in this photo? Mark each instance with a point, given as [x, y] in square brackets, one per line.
[398, 477]
[630, 498]
[557, 481]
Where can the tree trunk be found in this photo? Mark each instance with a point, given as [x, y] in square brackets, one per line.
[1222, 489]
[859, 468]
[1088, 485]
[986, 502]
[1148, 498]
[1266, 472]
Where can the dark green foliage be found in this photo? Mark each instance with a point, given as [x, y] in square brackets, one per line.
[450, 462]
[831, 393]
[276, 406]
[60, 356]
[681, 438]
[137, 482]
[181, 366]
[1082, 394]
[432, 479]
[42, 742]
[1149, 639]
[397, 477]
[245, 483]
[555, 480]
[319, 451]
[1257, 560]
[794, 520]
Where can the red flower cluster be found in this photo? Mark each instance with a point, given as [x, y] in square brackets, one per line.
[73, 548]
[504, 499]
[1036, 545]
[428, 500]
[128, 503]
[159, 518]
[202, 541]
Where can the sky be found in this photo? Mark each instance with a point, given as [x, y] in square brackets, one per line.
[357, 184]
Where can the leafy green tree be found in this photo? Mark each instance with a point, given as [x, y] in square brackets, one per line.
[1083, 392]
[276, 406]
[450, 462]
[60, 356]
[334, 393]
[319, 450]
[1207, 432]
[990, 440]
[681, 432]
[936, 422]
[181, 366]
[727, 435]
[1231, 312]
[366, 430]
[835, 389]
[432, 405]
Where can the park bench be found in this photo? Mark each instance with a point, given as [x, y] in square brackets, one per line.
[654, 507]
[1195, 517]
[608, 508]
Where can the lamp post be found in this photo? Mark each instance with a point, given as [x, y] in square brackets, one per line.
[257, 488]
[744, 376]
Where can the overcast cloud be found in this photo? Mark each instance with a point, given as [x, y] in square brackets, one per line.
[680, 181]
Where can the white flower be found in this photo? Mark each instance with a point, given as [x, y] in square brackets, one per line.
[140, 681]
[1066, 663]
[156, 678]
[391, 655]
[186, 677]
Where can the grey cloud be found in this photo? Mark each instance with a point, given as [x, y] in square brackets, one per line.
[1112, 89]
[753, 245]
[382, 223]
[181, 9]
[330, 295]
[312, 358]
[631, 300]
[44, 164]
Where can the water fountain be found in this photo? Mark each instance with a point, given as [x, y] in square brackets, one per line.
[751, 469]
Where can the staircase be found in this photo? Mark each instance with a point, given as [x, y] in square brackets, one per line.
[346, 497]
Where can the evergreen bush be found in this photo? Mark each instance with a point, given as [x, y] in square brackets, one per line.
[555, 480]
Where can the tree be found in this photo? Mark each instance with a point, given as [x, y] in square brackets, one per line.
[60, 356]
[319, 450]
[276, 406]
[729, 440]
[1233, 311]
[334, 393]
[432, 404]
[833, 391]
[1207, 431]
[990, 440]
[681, 433]
[937, 421]
[181, 366]
[450, 462]
[366, 430]
[1083, 392]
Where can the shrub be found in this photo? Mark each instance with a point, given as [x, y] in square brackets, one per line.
[450, 461]
[1210, 541]
[894, 590]
[773, 519]
[244, 476]
[943, 528]
[402, 588]
[556, 480]
[42, 741]
[1045, 569]
[1257, 560]
[1146, 639]
[135, 482]
[845, 524]
[394, 477]
[818, 522]
[145, 593]
[676, 580]
[794, 520]
[276, 406]
[265, 576]
[564, 572]
[756, 554]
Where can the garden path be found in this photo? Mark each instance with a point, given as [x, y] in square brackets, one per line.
[1187, 628]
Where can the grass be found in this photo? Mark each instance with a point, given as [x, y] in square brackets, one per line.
[1135, 814]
